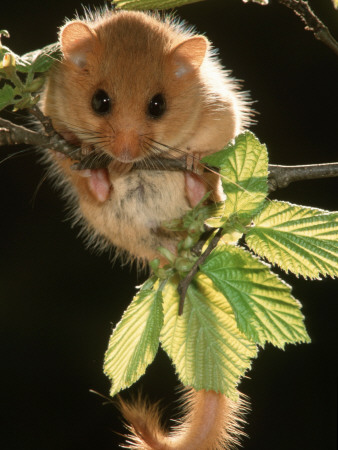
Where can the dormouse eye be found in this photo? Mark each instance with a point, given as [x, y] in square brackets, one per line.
[156, 106]
[101, 102]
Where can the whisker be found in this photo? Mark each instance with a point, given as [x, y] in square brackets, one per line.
[175, 149]
[72, 126]
[110, 126]
[205, 167]
[17, 154]
[38, 187]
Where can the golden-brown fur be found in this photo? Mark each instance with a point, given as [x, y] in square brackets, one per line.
[210, 421]
[133, 56]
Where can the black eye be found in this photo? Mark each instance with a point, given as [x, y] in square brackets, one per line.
[156, 106]
[101, 102]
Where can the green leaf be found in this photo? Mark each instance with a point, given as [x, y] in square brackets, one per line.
[134, 342]
[7, 94]
[39, 60]
[152, 4]
[298, 239]
[244, 170]
[263, 305]
[204, 343]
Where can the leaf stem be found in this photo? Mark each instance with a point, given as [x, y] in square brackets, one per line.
[184, 283]
[12, 134]
[45, 121]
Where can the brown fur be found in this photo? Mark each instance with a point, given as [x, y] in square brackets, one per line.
[133, 56]
[211, 421]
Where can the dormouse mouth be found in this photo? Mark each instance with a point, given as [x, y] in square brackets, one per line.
[91, 165]
[99, 184]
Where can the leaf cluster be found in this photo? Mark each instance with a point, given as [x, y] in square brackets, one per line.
[235, 302]
[24, 76]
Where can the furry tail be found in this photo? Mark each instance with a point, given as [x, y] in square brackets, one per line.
[211, 422]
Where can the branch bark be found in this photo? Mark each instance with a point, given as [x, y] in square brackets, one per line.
[282, 176]
[11, 134]
[312, 22]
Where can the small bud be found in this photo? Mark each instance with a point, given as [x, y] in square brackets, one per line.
[189, 241]
[183, 264]
[8, 61]
[167, 254]
[35, 85]
[154, 264]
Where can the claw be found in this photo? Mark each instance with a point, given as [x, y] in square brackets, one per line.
[193, 163]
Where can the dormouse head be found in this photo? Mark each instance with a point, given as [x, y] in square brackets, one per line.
[133, 81]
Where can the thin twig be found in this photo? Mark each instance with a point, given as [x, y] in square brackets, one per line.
[12, 134]
[184, 283]
[312, 22]
[45, 121]
[197, 248]
[282, 176]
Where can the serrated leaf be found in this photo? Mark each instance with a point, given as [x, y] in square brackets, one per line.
[152, 4]
[244, 170]
[262, 303]
[7, 94]
[299, 239]
[204, 343]
[134, 342]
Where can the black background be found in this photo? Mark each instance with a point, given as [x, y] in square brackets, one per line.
[58, 301]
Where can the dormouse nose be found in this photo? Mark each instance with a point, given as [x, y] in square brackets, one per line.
[126, 147]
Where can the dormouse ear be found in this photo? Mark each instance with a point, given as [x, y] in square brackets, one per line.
[77, 41]
[189, 55]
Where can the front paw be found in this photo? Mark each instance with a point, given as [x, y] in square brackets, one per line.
[193, 163]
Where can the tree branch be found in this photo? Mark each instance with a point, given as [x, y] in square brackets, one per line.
[45, 121]
[312, 22]
[282, 176]
[279, 176]
[12, 134]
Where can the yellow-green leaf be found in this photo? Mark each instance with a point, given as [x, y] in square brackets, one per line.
[152, 4]
[134, 342]
[299, 239]
[205, 344]
[262, 303]
[244, 172]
